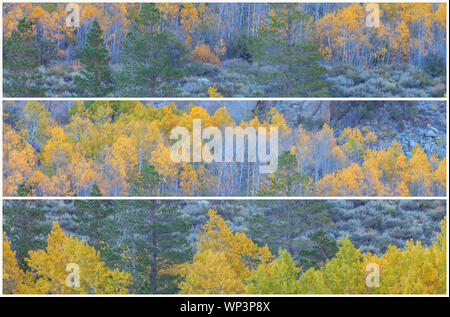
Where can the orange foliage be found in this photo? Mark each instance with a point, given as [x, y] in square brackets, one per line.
[203, 54]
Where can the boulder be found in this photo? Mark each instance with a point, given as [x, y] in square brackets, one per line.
[316, 110]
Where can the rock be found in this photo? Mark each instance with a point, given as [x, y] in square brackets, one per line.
[433, 129]
[203, 82]
[427, 148]
[316, 110]
[430, 133]
[196, 86]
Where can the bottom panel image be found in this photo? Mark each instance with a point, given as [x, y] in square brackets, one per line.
[98, 246]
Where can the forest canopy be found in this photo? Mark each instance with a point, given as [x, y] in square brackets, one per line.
[124, 149]
[151, 247]
[245, 49]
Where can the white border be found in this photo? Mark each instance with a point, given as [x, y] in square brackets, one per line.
[229, 198]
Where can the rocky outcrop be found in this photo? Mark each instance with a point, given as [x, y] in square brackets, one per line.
[292, 110]
[311, 109]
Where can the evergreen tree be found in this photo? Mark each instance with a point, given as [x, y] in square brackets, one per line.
[283, 45]
[285, 182]
[150, 56]
[21, 62]
[286, 224]
[147, 182]
[323, 247]
[94, 221]
[154, 241]
[23, 190]
[96, 76]
[25, 224]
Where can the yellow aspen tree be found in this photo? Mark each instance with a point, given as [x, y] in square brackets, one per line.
[277, 277]
[57, 151]
[346, 182]
[13, 276]
[415, 269]
[19, 159]
[164, 165]
[344, 274]
[218, 245]
[222, 118]
[213, 93]
[440, 176]
[210, 273]
[420, 172]
[49, 268]
[121, 158]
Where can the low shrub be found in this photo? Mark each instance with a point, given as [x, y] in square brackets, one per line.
[239, 47]
[434, 65]
[203, 53]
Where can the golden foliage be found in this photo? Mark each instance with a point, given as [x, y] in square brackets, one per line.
[203, 54]
[48, 272]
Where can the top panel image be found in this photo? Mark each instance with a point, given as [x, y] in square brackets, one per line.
[224, 50]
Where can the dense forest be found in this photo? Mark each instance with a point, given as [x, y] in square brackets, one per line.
[224, 247]
[239, 49]
[124, 149]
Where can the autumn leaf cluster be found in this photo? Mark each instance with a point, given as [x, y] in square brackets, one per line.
[124, 148]
[228, 262]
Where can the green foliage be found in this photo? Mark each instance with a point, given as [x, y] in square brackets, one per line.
[297, 71]
[282, 225]
[21, 61]
[278, 277]
[435, 65]
[154, 240]
[94, 220]
[26, 226]
[23, 190]
[240, 47]
[96, 76]
[147, 182]
[323, 248]
[149, 56]
[285, 182]
[310, 123]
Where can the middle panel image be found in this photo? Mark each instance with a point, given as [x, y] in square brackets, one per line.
[224, 148]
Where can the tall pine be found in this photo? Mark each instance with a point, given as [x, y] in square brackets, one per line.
[21, 62]
[96, 77]
[287, 226]
[321, 248]
[150, 57]
[284, 46]
[153, 242]
[94, 221]
[26, 225]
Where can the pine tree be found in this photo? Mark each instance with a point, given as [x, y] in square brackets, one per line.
[286, 182]
[150, 56]
[154, 243]
[283, 45]
[147, 182]
[25, 225]
[286, 225]
[21, 62]
[323, 248]
[94, 221]
[96, 76]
